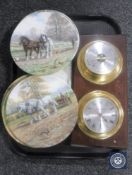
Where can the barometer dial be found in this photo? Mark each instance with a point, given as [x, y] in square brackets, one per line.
[100, 62]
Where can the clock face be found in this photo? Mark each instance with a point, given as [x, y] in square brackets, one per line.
[101, 57]
[100, 115]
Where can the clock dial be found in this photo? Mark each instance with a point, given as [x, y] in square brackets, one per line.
[100, 115]
[101, 57]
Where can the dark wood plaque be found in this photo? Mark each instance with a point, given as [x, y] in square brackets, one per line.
[118, 88]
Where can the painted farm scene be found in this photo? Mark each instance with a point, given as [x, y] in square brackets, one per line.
[41, 112]
[44, 42]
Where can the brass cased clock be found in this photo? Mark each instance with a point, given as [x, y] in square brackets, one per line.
[100, 115]
[100, 62]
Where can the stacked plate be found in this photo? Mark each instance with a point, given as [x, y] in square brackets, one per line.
[40, 109]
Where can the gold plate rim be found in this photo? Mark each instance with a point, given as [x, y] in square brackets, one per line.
[3, 108]
[4, 101]
[81, 124]
[38, 73]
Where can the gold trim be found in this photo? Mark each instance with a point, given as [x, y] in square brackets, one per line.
[4, 101]
[3, 109]
[100, 79]
[83, 127]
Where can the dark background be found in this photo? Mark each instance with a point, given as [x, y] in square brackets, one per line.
[11, 12]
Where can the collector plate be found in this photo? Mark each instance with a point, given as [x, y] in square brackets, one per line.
[44, 42]
[39, 111]
[100, 62]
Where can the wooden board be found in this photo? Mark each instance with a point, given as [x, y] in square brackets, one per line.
[118, 87]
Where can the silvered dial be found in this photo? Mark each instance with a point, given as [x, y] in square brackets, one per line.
[101, 57]
[100, 115]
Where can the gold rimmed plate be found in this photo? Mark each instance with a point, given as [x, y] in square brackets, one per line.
[100, 62]
[44, 42]
[39, 111]
[100, 115]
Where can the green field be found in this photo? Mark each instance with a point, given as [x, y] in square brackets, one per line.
[16, 122]
[43, 65]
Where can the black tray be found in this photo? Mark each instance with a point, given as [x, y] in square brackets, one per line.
[87, 26]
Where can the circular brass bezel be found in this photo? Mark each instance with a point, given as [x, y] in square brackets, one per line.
[84, 100]
[100, 79]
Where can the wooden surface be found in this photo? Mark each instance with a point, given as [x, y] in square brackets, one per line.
[118, 88]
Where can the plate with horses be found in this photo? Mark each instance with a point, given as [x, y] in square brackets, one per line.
[44, 42]
[39, 111]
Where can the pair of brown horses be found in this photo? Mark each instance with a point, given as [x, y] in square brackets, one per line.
[30, 46]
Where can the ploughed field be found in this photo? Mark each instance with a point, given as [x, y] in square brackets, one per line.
[48, 130]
